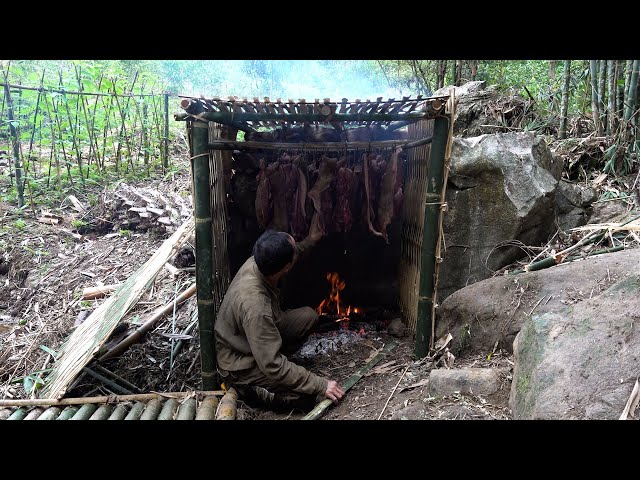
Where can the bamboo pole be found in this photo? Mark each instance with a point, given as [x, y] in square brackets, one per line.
[18, 414]
[169, 409]
[91, 293]
[67, 413]
[118, 413]
[50, 413]
[35, 122]
[233, 118]
[71, 92]
[5, 413]
[112, 385]
[227, 145]
[431, 235]
[165, 160]
[153, 409]
[85, 411]
[227, 409]
[204, 251]
[34, 413]
[187, 409]
[64, 151]
[207, 410]
[103, 399]
[102, 413]
[320, 408]
[110, 374]
[53, 147]
[86, 121]
[16, 147]
[139, 333]
[135, 412]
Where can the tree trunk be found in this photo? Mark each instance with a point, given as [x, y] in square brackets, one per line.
[442, 72]
[552, 71]
[613, 78]
[632, 99]
[627, 82]
[565, 99]
[595, 111]
[620, 103]
[602, 93]
[473, 65]
[458, 81]
[454, 71]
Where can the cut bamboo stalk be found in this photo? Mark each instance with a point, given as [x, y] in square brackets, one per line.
[67, 413]
[102, 399]
[232, 118]
[632, 403]
[85, 412]
[187, 410]
[91, 293]
[117, 378]
[135, 412]
[227, 409]
[5, 413]
[169, 409]
[119, 413]
[204, 251]
[50, 413]
[139, 333]
[86, 340]
[320, 408]
[102, 413]
[207, 410]
[16, 146]
[34, 413]
[18, 414]
[165, 159]
[153, 409]
[105, 381]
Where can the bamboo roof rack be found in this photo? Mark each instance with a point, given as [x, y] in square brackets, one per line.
[249, 115]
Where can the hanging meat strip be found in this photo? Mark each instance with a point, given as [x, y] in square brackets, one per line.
[298, 218]
[387, 191]
[320, 193]
[263, 201]
[344, 189]
[278, 178]
[367, 189]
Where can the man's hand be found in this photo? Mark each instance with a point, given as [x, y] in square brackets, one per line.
[334, 391]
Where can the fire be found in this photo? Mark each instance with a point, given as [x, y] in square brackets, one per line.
[333, 304]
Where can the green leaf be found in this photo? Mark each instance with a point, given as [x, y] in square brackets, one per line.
[14, 123]
[28, 383]
[51, 352]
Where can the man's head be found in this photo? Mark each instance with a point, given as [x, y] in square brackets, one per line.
[274, 251]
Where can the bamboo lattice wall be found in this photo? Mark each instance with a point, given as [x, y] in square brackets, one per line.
[220, 258]
[413, 222]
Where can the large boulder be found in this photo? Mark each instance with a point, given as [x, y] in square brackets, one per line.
[501, 188]
[483, 109]
[490, 313]
[573, 204]
[580, 362]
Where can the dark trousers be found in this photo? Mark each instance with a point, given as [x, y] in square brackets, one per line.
[295, 326]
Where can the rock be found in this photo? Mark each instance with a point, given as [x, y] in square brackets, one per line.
[494, 310]
[580, 362]
[611, 212]
[397, 328]
[573, 204]
[501, 188]
[481, 109]
[477, 381]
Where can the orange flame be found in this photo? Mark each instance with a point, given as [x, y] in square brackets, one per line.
[333, 304]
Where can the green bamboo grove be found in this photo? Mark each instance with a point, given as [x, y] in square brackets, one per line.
[59, 134]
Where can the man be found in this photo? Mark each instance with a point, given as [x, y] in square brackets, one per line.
[254, 336]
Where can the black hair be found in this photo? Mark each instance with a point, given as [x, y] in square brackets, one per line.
[272, 251]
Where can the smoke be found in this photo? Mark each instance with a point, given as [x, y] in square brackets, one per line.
[308, 79]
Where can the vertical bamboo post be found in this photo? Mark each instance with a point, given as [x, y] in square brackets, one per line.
[16, 144]
[432, 212]
[204, 251]
[165, 159]
[35, 124]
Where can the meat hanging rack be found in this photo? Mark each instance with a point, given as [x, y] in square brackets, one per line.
[213, 125]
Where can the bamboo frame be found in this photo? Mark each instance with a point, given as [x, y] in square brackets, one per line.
[204, 251]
